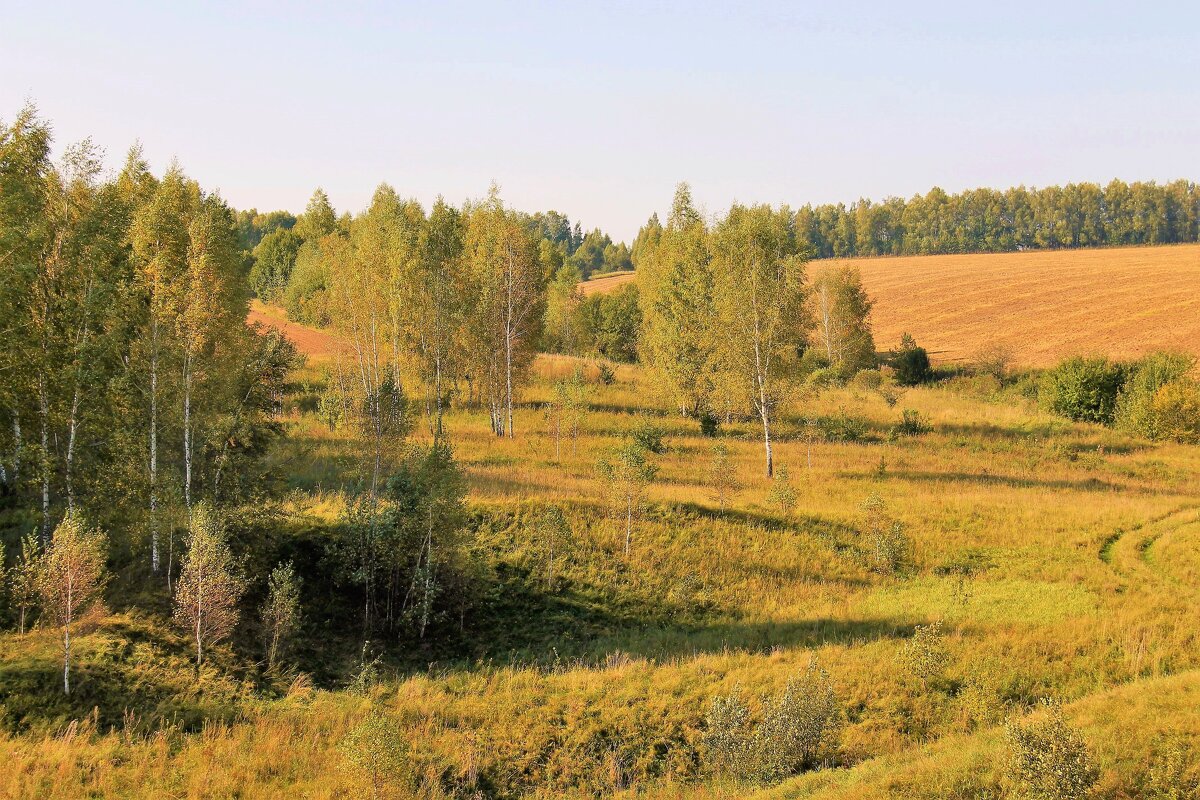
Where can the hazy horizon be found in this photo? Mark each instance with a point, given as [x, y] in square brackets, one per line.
[598, 113]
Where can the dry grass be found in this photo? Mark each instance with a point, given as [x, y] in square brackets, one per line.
[1061, 558]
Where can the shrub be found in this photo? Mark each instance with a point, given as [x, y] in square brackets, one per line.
[910, 362]
[1139, 409]
[867, 380]
[726, 736]
[1176, 410]
[799, 729]
[911, 424]
[649, 436]
[823, 378]
[888, 548]
[925, 654]
[1050, 759]
[709, 424]
[605, 374]
[842, 427]
[375, 750]
[994, 359]
[1172, 775]
[891, 549]
[1083, 389]
[782, 495]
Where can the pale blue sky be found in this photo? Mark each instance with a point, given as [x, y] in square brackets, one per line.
[598, 109]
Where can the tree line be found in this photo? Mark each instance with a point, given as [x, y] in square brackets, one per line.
[991, 220]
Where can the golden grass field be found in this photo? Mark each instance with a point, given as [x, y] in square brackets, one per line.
[1061, 557]
[1044, 305]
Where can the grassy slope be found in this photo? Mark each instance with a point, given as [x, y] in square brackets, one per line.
[1077, 548]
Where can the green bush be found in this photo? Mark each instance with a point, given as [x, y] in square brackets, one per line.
[925, 654]
[1050, 759]
[1083, 389]
[1176, 409]
[910, 363]
[649, 436]
[1159, 401]
[842, 427]
[911, 424]
[799, 730]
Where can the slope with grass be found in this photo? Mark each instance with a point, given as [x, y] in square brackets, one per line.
[595, 681]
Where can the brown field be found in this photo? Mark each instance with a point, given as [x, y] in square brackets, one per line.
[1045, 305]
[312, 342]
[1121, 302]
[606, 283]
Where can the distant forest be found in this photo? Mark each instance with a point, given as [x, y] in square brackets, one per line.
[988, 220]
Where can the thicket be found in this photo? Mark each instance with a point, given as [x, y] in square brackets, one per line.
[1157, 397]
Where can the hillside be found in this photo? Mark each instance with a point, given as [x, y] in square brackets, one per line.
[1045, 305]
[1059, 557]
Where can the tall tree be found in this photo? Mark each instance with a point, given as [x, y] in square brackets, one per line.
[24, 170]
[160, 247]
[759, 296]
[508, 295]
[842, 311]
[438, 300]
[675, 290]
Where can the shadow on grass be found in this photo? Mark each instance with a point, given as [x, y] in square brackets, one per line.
[1037, 434]
[125, 673]
[1011, 481]
[588, 636]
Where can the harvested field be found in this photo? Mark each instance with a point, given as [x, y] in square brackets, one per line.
[312, 342]
[606, 283]
[1045, 305]
[1122, 302]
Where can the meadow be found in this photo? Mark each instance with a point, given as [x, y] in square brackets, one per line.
[1061, 560]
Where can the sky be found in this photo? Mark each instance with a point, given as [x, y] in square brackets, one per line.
[598, 110]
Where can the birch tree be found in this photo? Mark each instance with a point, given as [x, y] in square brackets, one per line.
[160, 246]
[210, 584]
[281, 611]
[71, 577]
[23, 579]
[24, 167]
[627, 471]
[439, 299]
[842, 312]
[760, 307]
[675, 291]
[362, 307]
[507, 303]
